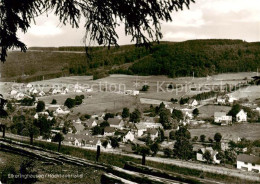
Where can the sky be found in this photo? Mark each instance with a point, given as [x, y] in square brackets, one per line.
[206, 19]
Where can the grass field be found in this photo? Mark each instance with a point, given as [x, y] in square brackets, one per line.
[207, 111]
[246, 130]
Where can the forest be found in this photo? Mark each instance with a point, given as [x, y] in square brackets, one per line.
[174, 59]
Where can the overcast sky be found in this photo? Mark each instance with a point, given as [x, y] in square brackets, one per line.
[231, 19]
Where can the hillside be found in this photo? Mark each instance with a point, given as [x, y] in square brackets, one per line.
[203, 57]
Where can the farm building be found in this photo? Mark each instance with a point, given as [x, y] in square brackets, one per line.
[221, 117]
[116, 123]
[248, 163]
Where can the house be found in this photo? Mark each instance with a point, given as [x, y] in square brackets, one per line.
[77, 121]
[116, 123]
[29, 85]
[60, 111]
[13, 92]
[221, 100]
[88, 89]
[248, 163]
[19, 96]
[129, 136]
[34, 91]
[54, 91]
[132, 92]
[92, 123]
[153, 133]
[79, 127]
[151, 124]
[41, 93]
[241, 116]
[36, 116]
[64, 90]
[193, 102]
[258, 110]
[221, 117]
[213, 153]
[231, 99]
[109, 131]
[140, 129]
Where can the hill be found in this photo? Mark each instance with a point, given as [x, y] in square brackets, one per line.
[174, 59]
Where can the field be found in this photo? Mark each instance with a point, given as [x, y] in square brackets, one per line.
[246, 130]
[207, 111]
[81, 175]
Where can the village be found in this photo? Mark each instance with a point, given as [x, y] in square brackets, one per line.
[156, 128]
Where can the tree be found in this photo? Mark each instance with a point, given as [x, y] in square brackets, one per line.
[114, 142]
[234, 110]
[101, 19]
[70, 103]
[30, 130]
[109, 115]
[125, 113]
[195, 139]
[217, 137]
[177, 114]
[165, 118]
[195, 112]
[40, 106]
[167, 152]
[135, 116]
[207, 156]
[54, 101]
[96, 130]
[221, 156]
[202, 138]
[182, 146]
[145, 88]
[104, 124]
[172, 135]
[144, 150]
[105, 143]
[154, 148]
[58, 138]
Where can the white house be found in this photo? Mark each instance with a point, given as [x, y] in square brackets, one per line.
[109, 131]
[129, 137]
[241, 116]
[231, 99]
[221, 117]
[248, 163]
[60, 111]
[13, 92]
[116, 123]
[19, 96]
[88, 89]
[193, 103]
[221, 100]
[140, 129]
[92, 123]
[213, 153]
[41, 93]
[36, 116]
[132, 92]
[29, 85]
